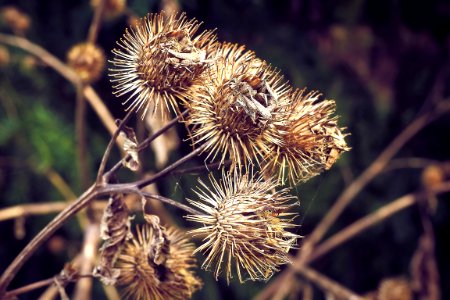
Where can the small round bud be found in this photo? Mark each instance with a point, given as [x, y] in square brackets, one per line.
[15, 19]
[432, 176]
[87, 60]
[112, 8]
[395, 289]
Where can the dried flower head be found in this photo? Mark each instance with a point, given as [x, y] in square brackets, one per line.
[15, 19]
[235, 114]
[112, 8]
[244, 226]
[432, 176]
[395, 289]
[87, 60]
[144, 277]
[159, 60]
[311, 139]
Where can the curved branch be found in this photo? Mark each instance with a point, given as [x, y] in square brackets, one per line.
[372, 219]
[50, 60]
[171, 202]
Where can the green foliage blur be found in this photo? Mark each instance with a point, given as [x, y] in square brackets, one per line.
[384, 62]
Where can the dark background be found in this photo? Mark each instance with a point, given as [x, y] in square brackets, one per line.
[383, 62]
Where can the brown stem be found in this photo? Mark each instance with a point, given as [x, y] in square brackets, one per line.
[144, 144]
[349, 194]
[171, 202]
[31, 209]
[367, 176]
[90, 245]
[372, 219]
[202, 168]
[80, 133]
[327, 284]
[28, 288]
[50, 60]
[42, 236]
[36, 285]
[101, 169]
[96, 21]
[146, 181]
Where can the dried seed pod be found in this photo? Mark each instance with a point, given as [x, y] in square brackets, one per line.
[159, 60]
[112, 8]
[87, 60]
[114, 230]
[311, 139]
[235, 114]
[15, 19]
[244, 224]
[395, 289]
[432, 176]
[142, 278]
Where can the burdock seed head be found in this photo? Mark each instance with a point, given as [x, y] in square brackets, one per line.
[87, 60]
[244, 222]
[312, 141]
[159, 60]
[143, 276]
[236, 112]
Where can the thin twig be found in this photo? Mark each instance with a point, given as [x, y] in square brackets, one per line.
[42, 236]
[372, 219]
[199, 169]
[144, 144]
[31, 209]
[93, 192]
[80, 134]
[88, 254]
[350, 193]
[29, 288]
[101, 169]
[409, 163]
[96, 21]
[171, 202]
[146, 181]
[370, 173]
[65, 71]
[327, 284]
[36, 285]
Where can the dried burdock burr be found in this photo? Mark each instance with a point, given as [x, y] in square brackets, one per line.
[312, 141]
[159, 60]
[236, 112]
[244, 221]
[169, 275]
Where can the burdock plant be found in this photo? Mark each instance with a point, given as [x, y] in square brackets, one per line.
[243, 118]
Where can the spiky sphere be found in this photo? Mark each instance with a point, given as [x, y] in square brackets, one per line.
[236, 113]
[311, 139]
[87, 60]
[142, 278]
[159, 60]
[244, 222]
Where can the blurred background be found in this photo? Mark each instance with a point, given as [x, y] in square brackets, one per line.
[385, 62]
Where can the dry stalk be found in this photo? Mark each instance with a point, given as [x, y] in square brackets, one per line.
[347, 196]
[50, 60]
